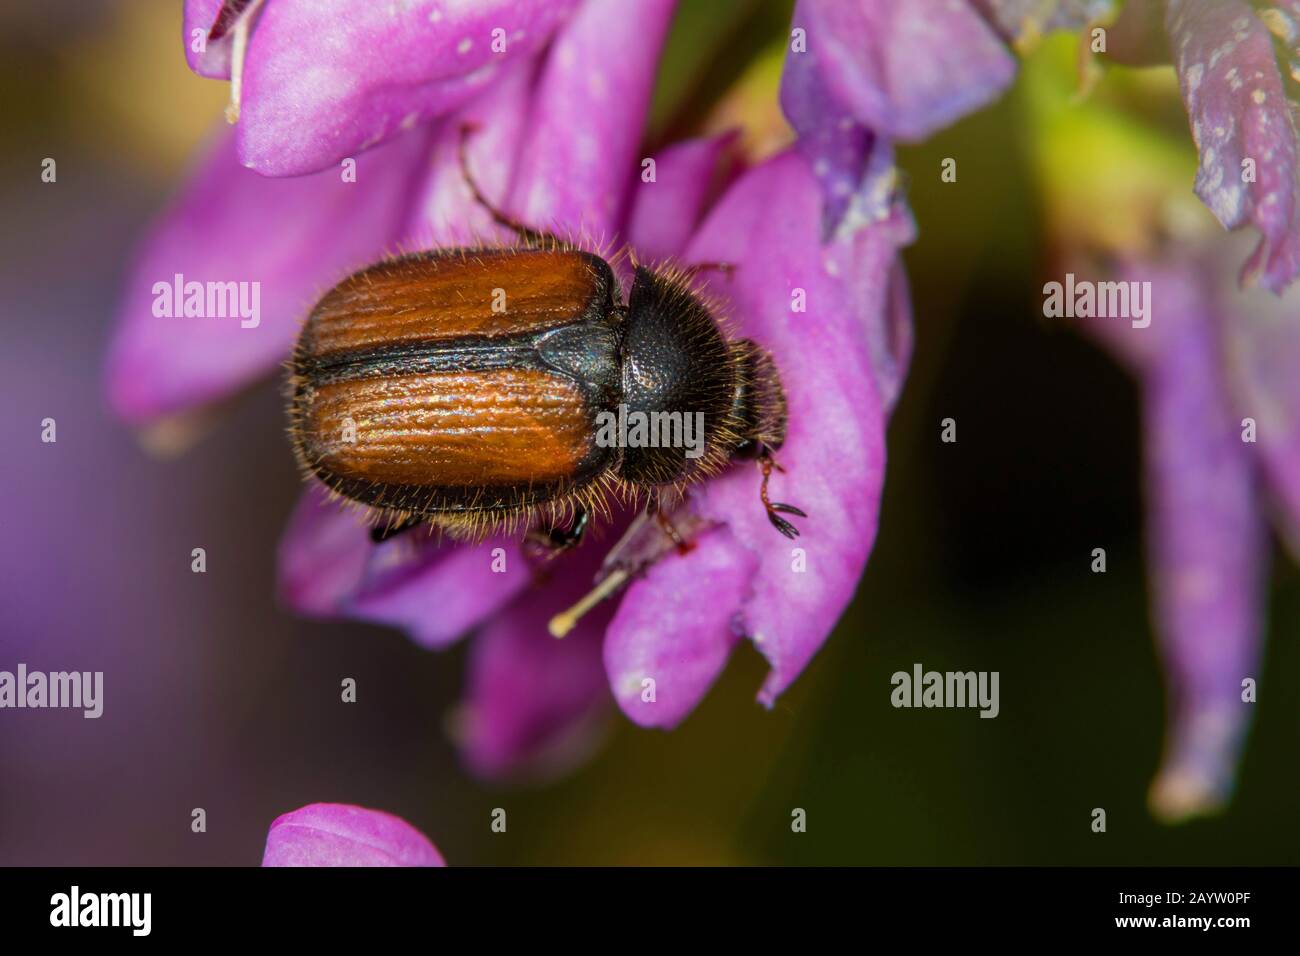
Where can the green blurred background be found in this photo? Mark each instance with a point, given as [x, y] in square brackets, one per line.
[982, 561]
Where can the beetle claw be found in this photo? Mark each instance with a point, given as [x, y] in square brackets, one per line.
[785, 527]
[780, 524]
[554, 541]
[775, 508]
[381, 533]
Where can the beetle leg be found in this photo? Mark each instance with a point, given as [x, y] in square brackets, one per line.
[552, 541]
[529, 235]
[776, 508]
[381, 533]
[655, 507]
[643, 544]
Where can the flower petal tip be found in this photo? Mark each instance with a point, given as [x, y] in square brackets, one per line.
[337, 834]
[1241, 120]
[1178, 796]
[1198, 774]
[674, 630]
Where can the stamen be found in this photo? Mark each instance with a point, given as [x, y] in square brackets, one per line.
[240, 33]
[564, 622]
[643, 543]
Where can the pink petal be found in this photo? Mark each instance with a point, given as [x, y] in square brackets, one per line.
[439, 591]
[211, 59]
[1205, 533]
[337, 834]
[327, 79]
[445, 212]
[665, 212]
[527, 152]
[322, 556]
[295, 238]
[1208, 556]
[1240, 112]
[768, 225]
[891, 340]
[902, 68]
[872, 73]
[591, 100]
[675, 627]
[1262, 340]
[434, 590]
[534, 705]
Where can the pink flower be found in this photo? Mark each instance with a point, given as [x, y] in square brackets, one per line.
[338, 834]
[326, 79]
[558, 145]
[1241, 118]
[1222, 432]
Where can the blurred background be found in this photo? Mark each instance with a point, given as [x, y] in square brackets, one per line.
[218, 698]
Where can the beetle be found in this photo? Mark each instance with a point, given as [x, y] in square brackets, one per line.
[463, 388]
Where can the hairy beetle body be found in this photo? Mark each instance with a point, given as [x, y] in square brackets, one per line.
[474, 388]
[413, 395]
[463, 386]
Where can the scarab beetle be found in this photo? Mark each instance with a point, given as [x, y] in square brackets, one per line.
[466, 388]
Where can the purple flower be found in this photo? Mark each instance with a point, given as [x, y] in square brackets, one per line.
[532, 700]
[1222, 426]
[292, 236]
[1216, 362]
[559, 130]
[929, 62]
[768, 225]
[863, 74]
[323, 80]
[338, 834]
[1242, 123]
